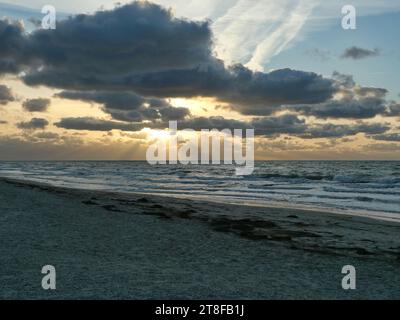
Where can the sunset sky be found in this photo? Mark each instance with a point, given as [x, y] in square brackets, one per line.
[107, 80]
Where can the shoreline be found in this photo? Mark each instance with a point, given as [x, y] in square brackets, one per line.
[374, 215]
[180, 238]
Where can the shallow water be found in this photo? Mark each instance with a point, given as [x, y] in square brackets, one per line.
[365, 187]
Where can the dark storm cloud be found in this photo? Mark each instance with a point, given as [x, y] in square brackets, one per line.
[253, 110]
[15, 52]
[266, 126]
[355, 102]
[140, 36]
[393, 110]
[142, 48]
[132, 58]
[370, 91]
[86, 51]
[387, 137]
[11, 43]
[36, 105]
[6, 95]
[210, 123]
[237, 85]
[93, 124]
[33, 124]
[287, 124]
[357, 53]
[339, 131]
[128, 106]
[172, 113]
[346, 108]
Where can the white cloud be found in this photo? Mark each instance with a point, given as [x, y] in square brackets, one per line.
[282, 36]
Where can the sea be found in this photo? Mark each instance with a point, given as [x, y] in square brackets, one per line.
[370, 188]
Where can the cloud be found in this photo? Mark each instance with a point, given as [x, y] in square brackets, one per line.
[283, 35]
[384, 147]
[346, 108]
[174, 113]
[199, 123]
[353, 102]
[143, 49]
[210, 123]
[393, 110]
[237, 85]
[287, 124]
[245, 34]
[93, 124]
[357, 53]
[128, 106]
[36, 105]
[33, 124]
[47, 136]
[344, 80]
[140, 36]
[265, 126]
[131, 59]
[6, 95]
[67, 148]
[371, 92]
[339, 131]
[387, 137]
[13, 54]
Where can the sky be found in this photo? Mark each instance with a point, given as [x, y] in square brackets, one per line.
[106, 82]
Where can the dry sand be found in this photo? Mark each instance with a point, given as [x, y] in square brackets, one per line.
[132, 246]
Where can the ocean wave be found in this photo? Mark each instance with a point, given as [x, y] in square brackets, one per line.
[343, 185]
[295, 176]
[386, 180]
[351, 179]
[371, 190]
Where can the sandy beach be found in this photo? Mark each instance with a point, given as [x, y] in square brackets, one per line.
[132, 246]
